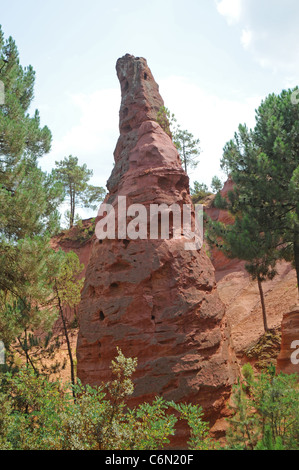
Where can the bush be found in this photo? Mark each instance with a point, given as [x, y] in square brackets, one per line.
[39, 415]
[266, 411]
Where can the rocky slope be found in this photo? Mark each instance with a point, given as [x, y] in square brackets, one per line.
[241, 296]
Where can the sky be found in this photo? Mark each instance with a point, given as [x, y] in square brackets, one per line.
[214, 61]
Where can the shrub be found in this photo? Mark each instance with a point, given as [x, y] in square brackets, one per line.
[37, 414]
[266, 411]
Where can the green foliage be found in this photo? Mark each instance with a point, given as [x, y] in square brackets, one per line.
[33, 414]
[16, 319]
[67, 293]
[266, 412]
[81, 231]
[246, 239]
[216, 184]
[38, 415]
[26, 287]
[199, 188]
[29, 201]
[264, 165]
[265, 350]
[188, 148]
[67, 284]
[199, 430]
[199, 192]
[166, 119]
[51, 288]
[19, 133]
[243, 431]
[75, 179]
[268, 443]
[6, 421]
[28, 198]
[185, 142]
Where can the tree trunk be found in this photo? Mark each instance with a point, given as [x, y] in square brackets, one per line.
[25, 349]
[67, 341]
[72, 212]
[263, 305]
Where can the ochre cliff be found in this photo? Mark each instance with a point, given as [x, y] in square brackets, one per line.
[152, 298]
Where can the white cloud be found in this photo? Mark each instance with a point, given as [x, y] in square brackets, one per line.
[212, 119]
[246, 38]
[268, 31]
[93, 138]
[230, 9]
[99, 118]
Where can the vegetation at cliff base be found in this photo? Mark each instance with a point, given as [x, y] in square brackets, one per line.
[266, 412]
[37, 414]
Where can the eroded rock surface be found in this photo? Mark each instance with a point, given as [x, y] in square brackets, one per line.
[152, 298]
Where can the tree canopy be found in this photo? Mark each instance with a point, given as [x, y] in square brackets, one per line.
[29, 201]
[264, 166]
[74, 178]
[187, 145]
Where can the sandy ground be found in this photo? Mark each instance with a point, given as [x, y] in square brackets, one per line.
[241, 297]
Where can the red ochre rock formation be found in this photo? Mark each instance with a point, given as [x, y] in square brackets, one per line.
[152, 298]
[287, 361]
[221, 263]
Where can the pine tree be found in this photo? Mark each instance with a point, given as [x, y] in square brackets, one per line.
[188, 148]
[19, 133]
[264, 165]
[29, 200]
[67, 293]
[187, 145]
[199, 192]
[75, 181]
[216, 184]
[244, 240]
